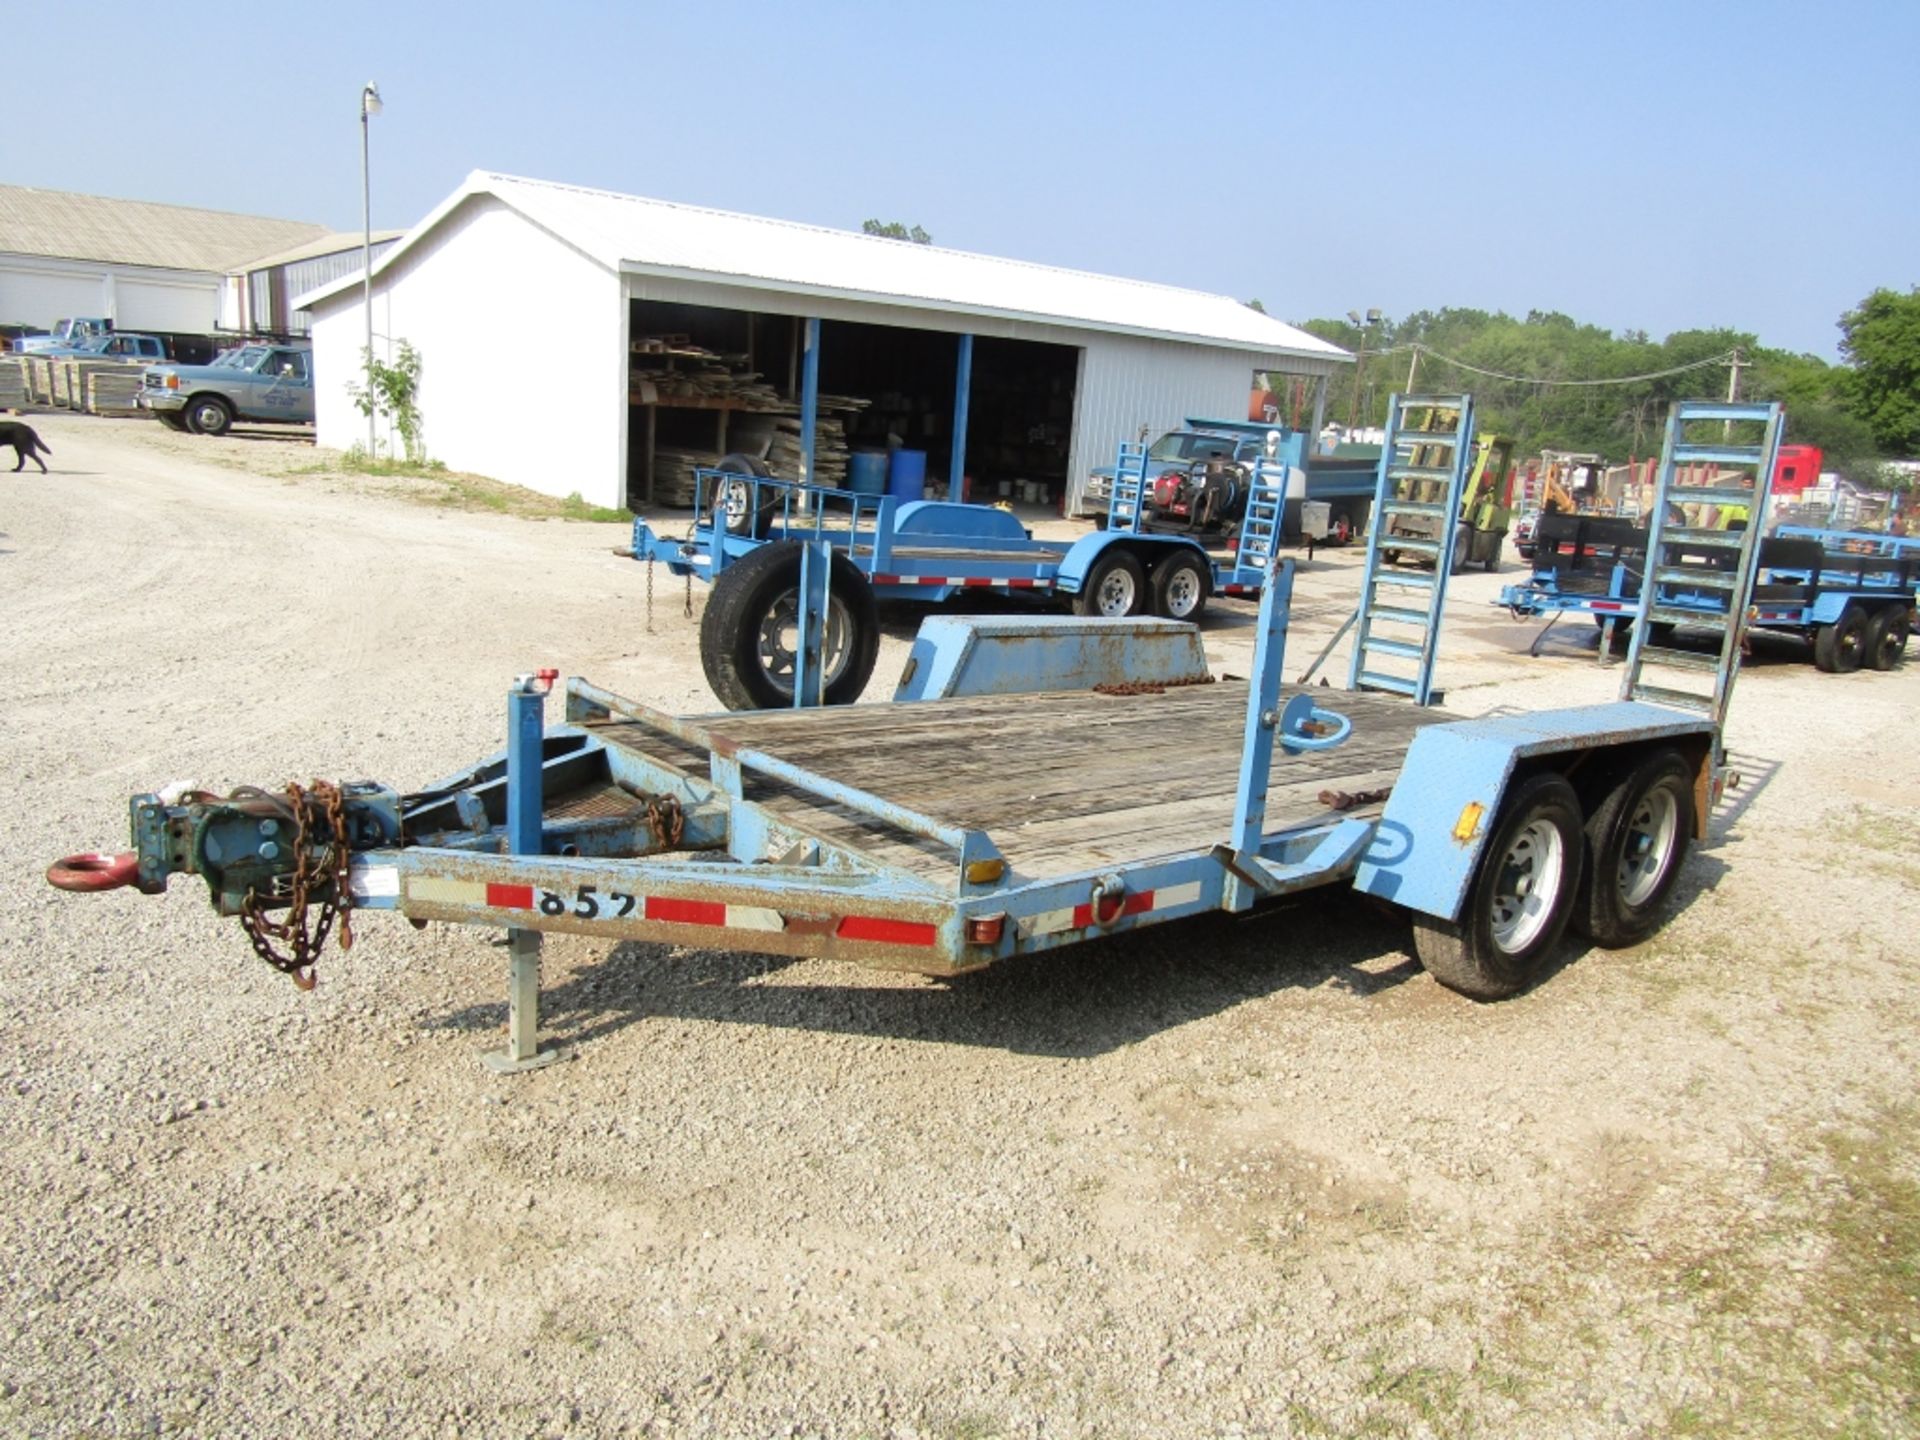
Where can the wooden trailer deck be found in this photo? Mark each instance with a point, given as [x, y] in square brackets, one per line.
[1063, 782]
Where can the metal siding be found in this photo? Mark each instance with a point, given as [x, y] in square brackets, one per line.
[461, 300]
[189, 305]
[33, 292]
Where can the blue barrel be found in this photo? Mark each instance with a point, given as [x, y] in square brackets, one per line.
[867, 472]
[907, 475]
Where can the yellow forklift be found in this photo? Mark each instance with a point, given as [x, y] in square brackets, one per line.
[1481, 526]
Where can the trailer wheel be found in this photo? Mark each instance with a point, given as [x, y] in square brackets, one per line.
[1839, 647]
[1181, 585]
[1637, 842]
[1517, 906]
[749, 632]
[1115, 587]
[1885, 643]
[730, 502]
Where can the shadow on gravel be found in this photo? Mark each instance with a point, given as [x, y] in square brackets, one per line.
[1075, 1003]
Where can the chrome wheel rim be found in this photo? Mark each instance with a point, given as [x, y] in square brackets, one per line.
[1115, 594]
[1652, 833]
[1528, 885]
[779, 641]
[1183, 593]
[734, 498]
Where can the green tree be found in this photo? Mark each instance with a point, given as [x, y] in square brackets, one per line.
[1881, 337]
[894, 230]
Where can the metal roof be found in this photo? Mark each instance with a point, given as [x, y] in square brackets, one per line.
[334, 243]
[629, 233]
[62, 225]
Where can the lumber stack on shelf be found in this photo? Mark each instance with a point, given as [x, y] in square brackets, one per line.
[673, 479]
[829, 450]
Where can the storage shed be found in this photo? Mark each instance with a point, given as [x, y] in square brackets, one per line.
[142, 265]
[576, 340]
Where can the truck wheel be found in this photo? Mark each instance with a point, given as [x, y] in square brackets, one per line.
[1181, 585]
[1637, 842]
[208, 416]
[1115, 587]
[171, 419]
[1885, 642]
[749, 633]
[1839, 647]
[730, 502]
[1517, 906]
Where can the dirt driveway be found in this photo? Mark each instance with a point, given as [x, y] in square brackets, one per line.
[1260, 1178]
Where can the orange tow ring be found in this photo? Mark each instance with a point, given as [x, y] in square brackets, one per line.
[94, 872]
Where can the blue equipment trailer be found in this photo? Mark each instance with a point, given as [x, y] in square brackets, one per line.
[748, 532]
[944, 835]
[1851, 595]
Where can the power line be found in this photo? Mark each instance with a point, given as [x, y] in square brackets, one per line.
[1432, 353]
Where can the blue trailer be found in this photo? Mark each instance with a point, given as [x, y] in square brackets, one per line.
[994, 822]
[749, 529]
[1850, 595]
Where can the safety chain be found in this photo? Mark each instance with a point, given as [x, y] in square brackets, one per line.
[322, 869]
[1148, 687]
[687, 604]
[649, 594]
[666, 819]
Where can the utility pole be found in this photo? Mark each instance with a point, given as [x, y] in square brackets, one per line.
[1413, 367]
[1733, 391]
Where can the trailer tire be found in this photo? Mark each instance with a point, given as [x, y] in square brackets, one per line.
[731, 502]
[1637, 843]
[1534, 854]
[1115, 587]
[1181, 584]
[745, 648]
[1838, 648]
[1885, 644]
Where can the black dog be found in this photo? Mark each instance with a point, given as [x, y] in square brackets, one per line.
[19, 434]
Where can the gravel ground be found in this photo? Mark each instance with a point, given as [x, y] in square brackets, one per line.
[1240, 1178]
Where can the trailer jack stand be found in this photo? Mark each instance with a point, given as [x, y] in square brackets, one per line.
[522, 1051]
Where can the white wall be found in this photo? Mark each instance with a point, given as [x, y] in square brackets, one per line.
[522, 348]
[38, 291]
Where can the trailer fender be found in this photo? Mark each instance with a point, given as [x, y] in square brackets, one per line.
[1149, 550]
[1448, 797]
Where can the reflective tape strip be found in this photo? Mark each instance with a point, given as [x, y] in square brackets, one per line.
[884, 931]
[1080, 917]
[966, 581]
[433, 890]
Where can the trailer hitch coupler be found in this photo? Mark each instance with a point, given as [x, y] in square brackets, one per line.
[94, 872]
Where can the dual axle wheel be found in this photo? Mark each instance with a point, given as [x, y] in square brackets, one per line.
[1545, 866]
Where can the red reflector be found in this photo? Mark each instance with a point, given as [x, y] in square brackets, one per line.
[887, 932]
[510, 897]
[986, 930]
[686, 912]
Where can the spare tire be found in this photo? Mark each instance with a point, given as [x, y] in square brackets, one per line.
[750, 631]
[739, 505]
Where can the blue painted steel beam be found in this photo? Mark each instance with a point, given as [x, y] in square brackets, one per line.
[526, 790]
[809, 397]
[962, 387]
[809, 669]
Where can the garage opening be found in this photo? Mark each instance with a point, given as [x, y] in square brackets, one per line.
[705, 382]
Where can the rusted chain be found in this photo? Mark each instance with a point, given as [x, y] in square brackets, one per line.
[1148, 687]
[666, 820]
[319, 869]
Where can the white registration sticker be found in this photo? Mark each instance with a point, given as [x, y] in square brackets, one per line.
[373, 882]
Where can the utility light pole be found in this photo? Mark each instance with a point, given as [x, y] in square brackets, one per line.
[369, 107]
[1360, 365]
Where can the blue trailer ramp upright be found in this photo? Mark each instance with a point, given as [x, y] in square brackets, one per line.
[1429, 438]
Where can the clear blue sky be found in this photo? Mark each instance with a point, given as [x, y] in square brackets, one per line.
[1637, 165]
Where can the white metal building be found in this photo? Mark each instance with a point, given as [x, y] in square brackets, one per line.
[142, 265]
[527, 301]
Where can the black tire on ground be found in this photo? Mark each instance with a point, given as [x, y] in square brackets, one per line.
[1493, 555]
[1462, 547]
[1100, 519]
[1660, 632]
[1839, 648]
[1885, 643]
[748, 633]
[1115, 586]
[731, 501]
[1181, 584]
[208, 415]
[171, 419]
[1522, 893]
[1637, 842]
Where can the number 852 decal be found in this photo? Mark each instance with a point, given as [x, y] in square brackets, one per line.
[589, 904]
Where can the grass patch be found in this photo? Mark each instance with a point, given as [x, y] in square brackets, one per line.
[429, 482]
